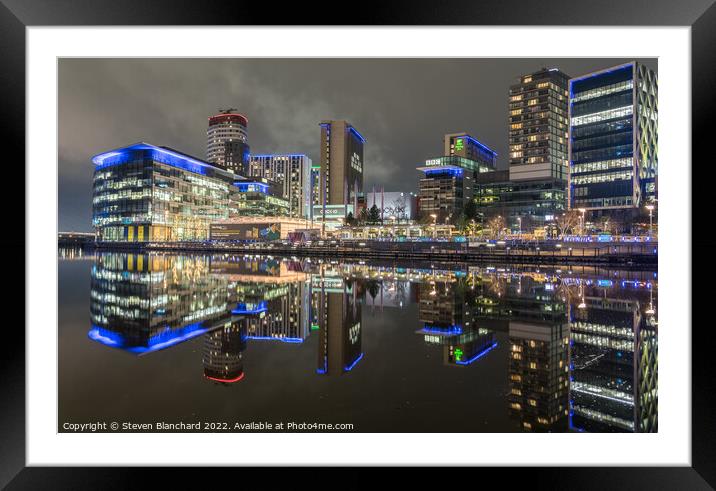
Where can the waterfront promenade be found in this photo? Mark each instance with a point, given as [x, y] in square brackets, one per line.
[643, 253]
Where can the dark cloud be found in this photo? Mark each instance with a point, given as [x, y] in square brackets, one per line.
[402, 107]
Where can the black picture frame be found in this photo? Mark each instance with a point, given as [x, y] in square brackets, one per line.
[16, 15]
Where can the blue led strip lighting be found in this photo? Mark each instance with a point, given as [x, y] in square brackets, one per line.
[155, 343]
[157, 154]
[479, 144]
[355, 132]
[355, 362]
[270, 338]
[477, 356]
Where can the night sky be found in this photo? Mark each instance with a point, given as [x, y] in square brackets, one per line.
[403, 107]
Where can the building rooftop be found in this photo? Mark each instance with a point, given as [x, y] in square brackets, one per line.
[165, 155]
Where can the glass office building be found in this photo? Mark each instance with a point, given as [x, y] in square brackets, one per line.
[148, 193]
[613, 139]
[257, 198]
[525, 204]
[448, 182]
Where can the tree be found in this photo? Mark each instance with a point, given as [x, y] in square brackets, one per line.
[362, 216]
[496, 225]
[374, 215]
[373, 288]
[471, 211]
[350, 219]
[567, 221]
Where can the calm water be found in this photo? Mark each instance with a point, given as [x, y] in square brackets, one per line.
[147, 338]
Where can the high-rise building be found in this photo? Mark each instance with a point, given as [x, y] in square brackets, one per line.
[341, 164]
[292, 172]
[539, 126]
[613, 140]
[533, 191]
[448, 182]
[227, 144]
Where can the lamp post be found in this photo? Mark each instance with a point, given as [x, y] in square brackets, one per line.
[519, 224]
[651, 219]
[582, 210]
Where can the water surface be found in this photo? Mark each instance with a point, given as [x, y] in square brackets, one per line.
[148, 338]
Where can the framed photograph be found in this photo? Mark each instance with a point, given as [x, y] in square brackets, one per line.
[432, 237]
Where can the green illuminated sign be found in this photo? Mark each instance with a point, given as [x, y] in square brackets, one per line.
[458, 144]
[458, 354]
[315, 327]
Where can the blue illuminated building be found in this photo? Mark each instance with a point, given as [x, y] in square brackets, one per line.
[613, 160]
[447, 183]
[145, 192]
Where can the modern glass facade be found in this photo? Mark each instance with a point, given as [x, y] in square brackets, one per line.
[142, 303]
[613, 138]
[257, 199]
[463, 145]
[147, 193]
[614, 357]
[525, 204]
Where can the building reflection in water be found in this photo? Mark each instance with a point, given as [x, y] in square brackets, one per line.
[222, 354]
[444, 311]
[582, 348]
[336, 302]
[614, 360]
[143, 303]
[526, 308]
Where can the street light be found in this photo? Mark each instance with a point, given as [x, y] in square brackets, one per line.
[582, 210]
[519, 223]
[651, 220]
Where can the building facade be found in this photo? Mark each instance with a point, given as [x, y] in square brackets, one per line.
[525, 204]
[149, 193]
[227, 144]
[463, 145]
[293, 174]
[613, 160]
[539, 128]
[447, 182]
[394, 206]
[341, 164]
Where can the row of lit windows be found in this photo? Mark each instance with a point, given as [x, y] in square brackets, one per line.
[603, 90]
[602, 165]
[612, 176]
[603, 115]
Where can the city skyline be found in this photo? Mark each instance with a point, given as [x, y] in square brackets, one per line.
[284, 112]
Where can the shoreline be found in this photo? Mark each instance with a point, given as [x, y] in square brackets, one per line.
[632, 255]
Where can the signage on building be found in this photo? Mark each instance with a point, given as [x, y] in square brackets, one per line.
[332, 211]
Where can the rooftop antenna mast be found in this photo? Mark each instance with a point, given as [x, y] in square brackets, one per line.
[228, 110]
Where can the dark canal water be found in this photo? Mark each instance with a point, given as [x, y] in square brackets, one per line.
[147, 338]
